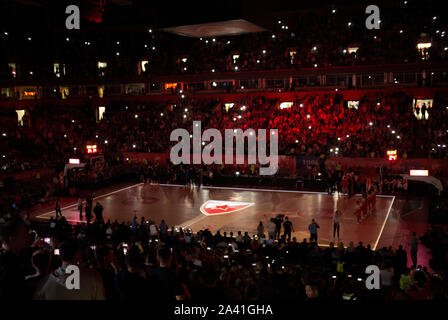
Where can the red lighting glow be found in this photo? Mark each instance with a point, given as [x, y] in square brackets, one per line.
[29, 93]
[418, 173]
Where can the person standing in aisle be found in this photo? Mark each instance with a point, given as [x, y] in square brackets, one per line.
[336, 224]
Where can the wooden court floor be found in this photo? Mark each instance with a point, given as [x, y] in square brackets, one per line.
[197, 208]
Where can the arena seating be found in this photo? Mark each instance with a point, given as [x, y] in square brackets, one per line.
[60, 78]
[215, 268]
[316, 38]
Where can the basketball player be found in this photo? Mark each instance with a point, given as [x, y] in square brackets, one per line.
[364, 207]
[373, 199]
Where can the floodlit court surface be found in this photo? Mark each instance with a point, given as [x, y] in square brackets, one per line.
[241, 209]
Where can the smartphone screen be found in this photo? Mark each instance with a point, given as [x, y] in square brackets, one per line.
[56, 252]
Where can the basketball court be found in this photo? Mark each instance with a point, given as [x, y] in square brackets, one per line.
[239, 209]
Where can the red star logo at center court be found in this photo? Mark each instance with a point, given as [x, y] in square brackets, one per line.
[215, 207]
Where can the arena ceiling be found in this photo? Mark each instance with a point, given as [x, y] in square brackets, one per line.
[216, 29]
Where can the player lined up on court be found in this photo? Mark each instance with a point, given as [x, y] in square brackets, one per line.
[366, 206]
[372, 199]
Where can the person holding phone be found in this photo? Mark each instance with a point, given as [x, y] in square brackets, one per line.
[91, 284]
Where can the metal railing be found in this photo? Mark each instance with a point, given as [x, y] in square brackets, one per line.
[355, 77]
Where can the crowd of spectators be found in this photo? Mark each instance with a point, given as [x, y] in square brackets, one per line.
[320, 126]
[314, 125]
[314, 38]
[436, 239]
[141, 260]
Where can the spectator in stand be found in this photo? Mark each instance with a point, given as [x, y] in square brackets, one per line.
[414, 249]
[405, 280]
[105, 266]
[14, 239]
[131, 282]
[98, 210]
[153, 230]
[312, 291]
[41, 262]
[55, 287]
[170, 287]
